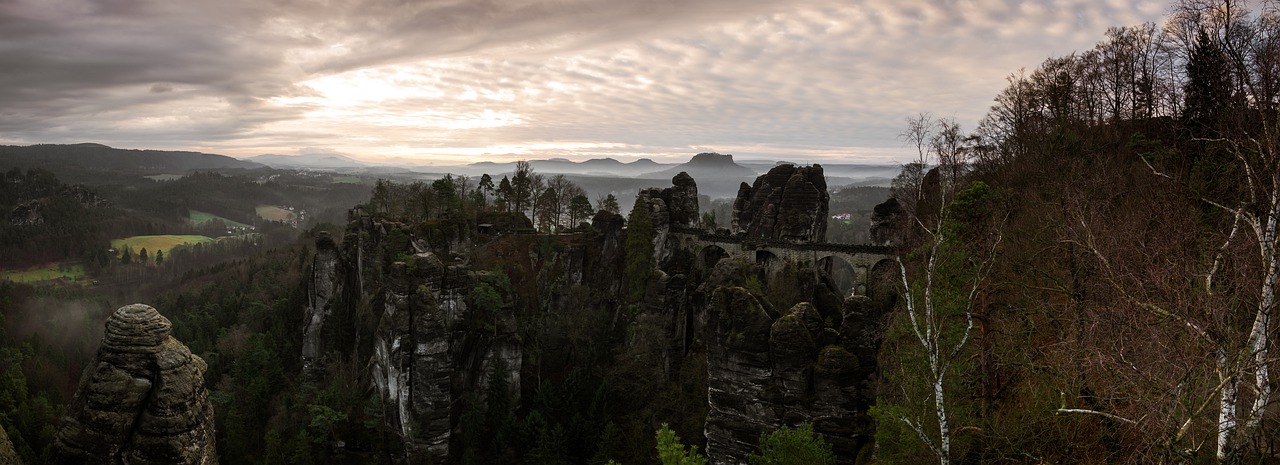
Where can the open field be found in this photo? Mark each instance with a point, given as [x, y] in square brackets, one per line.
[164, 177]
[271, 213]
[155, 243]
[44, 273]
[199, 217]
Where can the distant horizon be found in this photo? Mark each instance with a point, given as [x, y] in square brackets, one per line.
[666, 159]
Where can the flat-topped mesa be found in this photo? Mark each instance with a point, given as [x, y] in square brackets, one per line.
[788, 202]
[141, 399]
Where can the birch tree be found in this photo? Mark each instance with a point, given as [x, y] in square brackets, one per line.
[1251, 135]
[1234, 170]
[944, 287]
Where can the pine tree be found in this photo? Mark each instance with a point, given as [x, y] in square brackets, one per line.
[1208, 90]
[639, 250]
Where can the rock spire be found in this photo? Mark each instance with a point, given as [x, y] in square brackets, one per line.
[141, 399]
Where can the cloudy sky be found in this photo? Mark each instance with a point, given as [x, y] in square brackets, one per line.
[453, 81]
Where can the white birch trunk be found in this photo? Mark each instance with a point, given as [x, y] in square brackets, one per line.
[1227, 399]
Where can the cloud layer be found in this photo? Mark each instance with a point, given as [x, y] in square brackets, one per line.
[453, 80]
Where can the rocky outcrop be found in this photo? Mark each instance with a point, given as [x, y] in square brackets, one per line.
[682, 200]
[30, 212]
[764, 372]
[675, 206]
[741, 389]
[887, 222]
[323, 287]
[141, 399]
[403, 302]
[8, 456]
[788, 202]
[412, 364]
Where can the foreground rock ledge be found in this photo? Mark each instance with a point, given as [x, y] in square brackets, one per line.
[141, 400]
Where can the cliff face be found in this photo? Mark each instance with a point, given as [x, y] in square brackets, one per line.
[324, 287]
[675, 206]
[432, 331]
[141, 399]
[766, 371]
[392, 297]
[788, 202]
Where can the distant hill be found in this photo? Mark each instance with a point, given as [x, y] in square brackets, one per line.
[595, 166]
[76, 162]
[316, 161]
[706, 166]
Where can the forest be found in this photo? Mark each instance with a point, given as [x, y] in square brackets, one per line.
[1093, 270]
[1089, 275]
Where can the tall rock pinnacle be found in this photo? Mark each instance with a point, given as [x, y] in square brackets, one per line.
[788, 202]
[141, 399]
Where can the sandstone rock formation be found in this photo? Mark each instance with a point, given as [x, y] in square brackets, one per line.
[414, 329]
[678, 203]
[8, 456]
[412, 364]
[764, 372]
[675, 206]
[324, 287]
[788, 202]
[886, 223]
[141, 399]
[740, 384]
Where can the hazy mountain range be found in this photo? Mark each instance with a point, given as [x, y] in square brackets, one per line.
[718, 176]
[702, 166]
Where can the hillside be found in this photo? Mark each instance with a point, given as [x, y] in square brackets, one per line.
[66, 160]
[707, 166]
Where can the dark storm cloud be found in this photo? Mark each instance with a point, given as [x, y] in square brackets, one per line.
[66, 61]
[69, 61]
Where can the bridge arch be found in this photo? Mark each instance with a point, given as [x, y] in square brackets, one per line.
[712, 254]
[765, 258]
[845, 275]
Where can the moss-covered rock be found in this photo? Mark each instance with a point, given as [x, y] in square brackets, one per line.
[745, 324]
[142, 400]
[835, 361]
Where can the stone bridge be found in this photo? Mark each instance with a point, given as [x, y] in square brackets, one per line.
[858, 261]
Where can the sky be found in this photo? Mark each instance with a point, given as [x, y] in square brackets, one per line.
[458, 81]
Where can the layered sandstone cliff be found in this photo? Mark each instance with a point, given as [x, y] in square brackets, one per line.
[788, 202]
